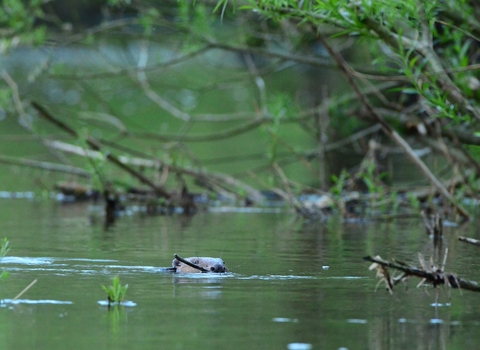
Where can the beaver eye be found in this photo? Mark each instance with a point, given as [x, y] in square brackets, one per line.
[195, 262]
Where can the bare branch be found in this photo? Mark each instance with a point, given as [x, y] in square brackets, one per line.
[95, 145]
[434, 277]
[344, 67]
[45, 166]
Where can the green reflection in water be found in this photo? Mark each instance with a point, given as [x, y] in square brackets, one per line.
[291, 282]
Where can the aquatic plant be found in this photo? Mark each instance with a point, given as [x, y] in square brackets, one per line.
[414, 202]
[116, 292]
[3, 252]
[339, 183]
[5, 248]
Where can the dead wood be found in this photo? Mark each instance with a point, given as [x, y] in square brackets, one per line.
[469, 240]
[186, 262]
[215, 182]
[435, 276]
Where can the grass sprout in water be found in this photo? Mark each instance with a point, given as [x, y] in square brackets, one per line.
[3, 251]
[5, 248]
[116, 292]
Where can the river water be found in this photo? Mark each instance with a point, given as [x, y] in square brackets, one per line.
[293, 284]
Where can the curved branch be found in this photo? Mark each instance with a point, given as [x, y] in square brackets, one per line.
[202, 138]
[45, 166]
[116, 73]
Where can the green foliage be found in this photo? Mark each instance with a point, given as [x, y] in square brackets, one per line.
[404, 28]
[17, 20]
[116, 292]
[414, 201]
[148, 19]
[118, 2]
[395, 202]
[371, 180]
[6, 99]
[375, 188]
[196, 19]
[222, 5]
[339, 183]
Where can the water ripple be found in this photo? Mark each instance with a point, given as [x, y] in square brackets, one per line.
[29, 301]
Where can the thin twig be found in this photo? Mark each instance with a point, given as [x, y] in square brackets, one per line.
[45, 166]
[26, 288]
[186, 262]
[436, 278]
[16, 98]
[117, 72]
[250, 125]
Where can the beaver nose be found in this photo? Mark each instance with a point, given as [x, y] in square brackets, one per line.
[217, 268]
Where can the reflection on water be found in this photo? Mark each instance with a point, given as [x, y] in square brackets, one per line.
[6, 302]
[126, 303]
[279, 294]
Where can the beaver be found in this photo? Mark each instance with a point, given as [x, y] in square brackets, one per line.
[216, 265]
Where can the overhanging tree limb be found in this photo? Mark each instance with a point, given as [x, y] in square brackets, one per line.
[95, 145]
[433, 67]
[344, 67]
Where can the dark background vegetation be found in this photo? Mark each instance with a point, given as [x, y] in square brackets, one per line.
[229, 98]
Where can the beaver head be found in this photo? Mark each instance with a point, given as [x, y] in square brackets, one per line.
[210, 264]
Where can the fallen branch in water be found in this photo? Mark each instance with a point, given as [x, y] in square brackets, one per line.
[469, 240]
[224, 184]
[435, 275]
[186, 262]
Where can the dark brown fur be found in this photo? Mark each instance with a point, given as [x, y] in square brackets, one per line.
[215, 265]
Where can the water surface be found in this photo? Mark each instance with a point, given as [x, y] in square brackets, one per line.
[294, 284]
